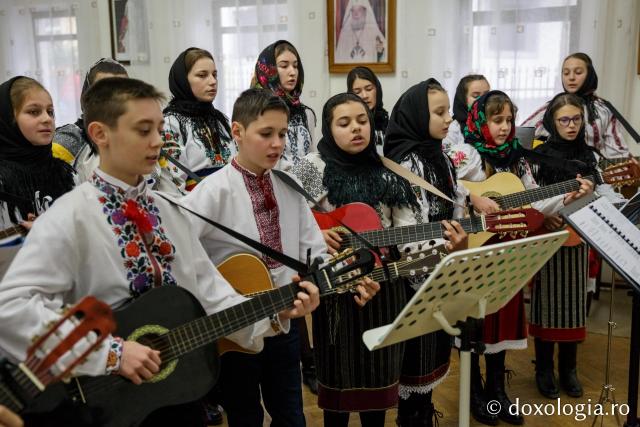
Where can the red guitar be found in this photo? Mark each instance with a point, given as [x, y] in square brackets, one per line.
[53, 356]
[363, 219]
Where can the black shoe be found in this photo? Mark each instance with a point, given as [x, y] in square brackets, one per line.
[495, 389]
[568, 371]
[478, 401]
[417, 411]
[547, 384]
[545, 378]
[479, 412]
[214, 415]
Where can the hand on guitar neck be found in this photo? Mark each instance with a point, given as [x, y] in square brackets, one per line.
[307, 300]
[586, 188]
[29, 222]
[457, 238]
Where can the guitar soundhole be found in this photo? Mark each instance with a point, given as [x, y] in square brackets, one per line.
[151, 340]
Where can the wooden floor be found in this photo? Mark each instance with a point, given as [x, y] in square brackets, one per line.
[591, 364]
[591, 372]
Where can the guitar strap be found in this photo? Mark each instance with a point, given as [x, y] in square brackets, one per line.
[301, 268]
[414, 179]
[632, 132]
[191, 174]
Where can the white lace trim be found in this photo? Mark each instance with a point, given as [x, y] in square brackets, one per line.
[407, 390]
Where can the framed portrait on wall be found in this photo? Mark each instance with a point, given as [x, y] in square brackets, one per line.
[119, 23]
[361, 32]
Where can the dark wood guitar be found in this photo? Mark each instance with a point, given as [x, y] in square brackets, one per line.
[53, 356]
[171, 320]
[363, 219]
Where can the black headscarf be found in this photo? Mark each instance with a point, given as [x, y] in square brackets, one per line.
[408, 133]
[560, 148]
[588, 89]
[380, 115]
[24, 167]
[358, 177]
[460, 107]
[476, 133]
[267, 77]
[190, 111]
[106, 65]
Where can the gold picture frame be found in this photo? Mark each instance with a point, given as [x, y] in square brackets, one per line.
[361, 32]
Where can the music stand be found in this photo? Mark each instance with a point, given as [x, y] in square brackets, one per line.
[617, 240]
[470, 283]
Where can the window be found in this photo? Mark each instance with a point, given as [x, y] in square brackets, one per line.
[519, 45]
[245, 28]
[56, 51]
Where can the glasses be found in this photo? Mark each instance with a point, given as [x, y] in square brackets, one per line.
[564, 121]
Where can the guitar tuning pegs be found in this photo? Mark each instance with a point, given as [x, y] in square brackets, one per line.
[409, 258]
[422, 255]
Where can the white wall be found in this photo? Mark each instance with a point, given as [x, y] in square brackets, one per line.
[428, 40]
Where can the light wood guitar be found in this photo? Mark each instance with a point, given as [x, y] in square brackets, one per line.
[249, 276]
[507, 190]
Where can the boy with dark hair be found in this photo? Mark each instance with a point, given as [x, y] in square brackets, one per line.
[246, 196]
[113, 238]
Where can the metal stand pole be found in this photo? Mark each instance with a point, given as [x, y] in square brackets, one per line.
[634, 359]
[607, 393]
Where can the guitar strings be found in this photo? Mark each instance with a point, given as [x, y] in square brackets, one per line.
[207, 337]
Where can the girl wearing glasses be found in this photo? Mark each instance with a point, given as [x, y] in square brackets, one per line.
[558, 298]
[602, 130]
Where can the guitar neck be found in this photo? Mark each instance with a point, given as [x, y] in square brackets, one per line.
[605, 163]
[205, 330]
[527, 197]
[409, 233]
[16, 388]
[16, 229]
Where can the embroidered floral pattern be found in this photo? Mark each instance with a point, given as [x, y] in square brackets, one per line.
[138, 265]
[114, 358]
[265, 210]
[459, 158]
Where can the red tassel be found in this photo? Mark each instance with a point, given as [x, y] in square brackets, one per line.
[139, 216]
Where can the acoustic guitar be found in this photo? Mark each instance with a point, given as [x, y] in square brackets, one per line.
[249, 276]
[507, 190]
[170, 319]
[53, 356]
[363, 219]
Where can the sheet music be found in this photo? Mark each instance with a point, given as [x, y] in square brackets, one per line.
[612, 234]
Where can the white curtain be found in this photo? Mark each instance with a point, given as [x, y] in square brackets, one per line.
[45, 40]
[234, 31]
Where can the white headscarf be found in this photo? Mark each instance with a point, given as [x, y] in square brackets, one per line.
[360, 46]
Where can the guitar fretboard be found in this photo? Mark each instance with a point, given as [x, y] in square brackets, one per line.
[205, 330]
[410, 233]
[16, 229]
[9, 397]
[527, 197]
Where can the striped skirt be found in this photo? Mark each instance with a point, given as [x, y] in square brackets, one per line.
[558, 297]
[426, 361]
[350, 377]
